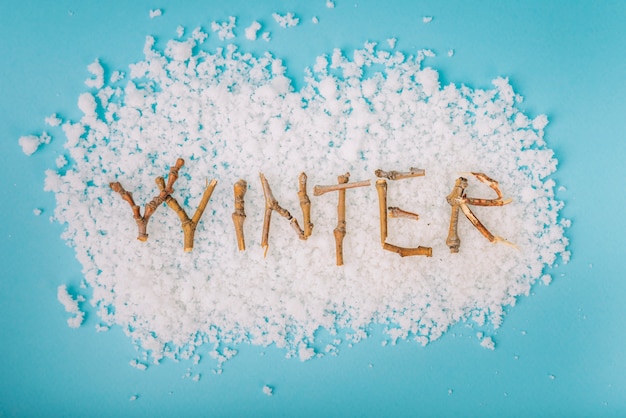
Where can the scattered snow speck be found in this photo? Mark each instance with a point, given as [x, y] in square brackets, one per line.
[392, 42]
[330, 4]
[268, 390]
[71, 305]
[286, 21]
[155, 13]
[251, 31]
[266, 36]
[117, 76]
[546, 279]
[315, 20]
[138, 365]
[53, 120]
[427, 19]
[61, 161]
[96, 69]
[450, 391]
[180, 31]
[451, 52]
[133, 398]
[31, 143]
[37, 211]
[488, 343]
[551, 377]
[224, 30]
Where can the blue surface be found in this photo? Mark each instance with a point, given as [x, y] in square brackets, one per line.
[560, 352]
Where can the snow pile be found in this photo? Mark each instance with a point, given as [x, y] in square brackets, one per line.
[232, 116]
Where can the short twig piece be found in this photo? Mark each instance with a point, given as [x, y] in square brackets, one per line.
[189, 225]
[395, 212]
[381, 187]
[142, 220]
[399, 175]
[239, 215]
[458, 200]
[271, 204]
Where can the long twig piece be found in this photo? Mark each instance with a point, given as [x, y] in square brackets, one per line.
[381, 188]
[239, 215]
[320, 190]
[340, 231]
[189, 224]
[271, 204]
[153, 205]
[398, 175]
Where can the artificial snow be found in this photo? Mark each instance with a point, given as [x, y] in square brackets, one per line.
[224, 30]
[31, 143]
[251, 31]
[286, 21]
[53, 120]
[233, 115]
[70, 304]
[97, 71]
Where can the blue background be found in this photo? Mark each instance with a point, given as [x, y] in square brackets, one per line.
[560, 352]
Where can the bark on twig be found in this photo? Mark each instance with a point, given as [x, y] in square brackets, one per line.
[239, 215]
[153, 205]
[271, 204]
[395, 212]
[381, 187]
[458, 200]
[189, 224]
[398, 175]
[340, 231]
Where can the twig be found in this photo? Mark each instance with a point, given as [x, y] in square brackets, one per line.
[320, 190]
[305, 205]
[340, 230]
[398, 175]
[381, 187]
[271, 204]
[458, 200]
[153, 205]
[395, 212]
[189, 225]
[239, 215]
[406, 252]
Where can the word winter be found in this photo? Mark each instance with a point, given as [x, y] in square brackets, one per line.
[457, 199]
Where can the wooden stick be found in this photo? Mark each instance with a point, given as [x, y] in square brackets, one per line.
[239, 215]
[381, 188]
[406, 252]
[340, 230]
[320, 190]
[153, 205]
[305, 205]
[271, 204]
[398, 175]
[453, 241]
[458, 200]
[189, 225]
[395, 212]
